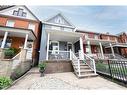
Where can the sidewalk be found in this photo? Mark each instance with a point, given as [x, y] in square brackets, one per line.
[63, 81]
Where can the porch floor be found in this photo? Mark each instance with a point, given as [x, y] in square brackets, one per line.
[62, 81]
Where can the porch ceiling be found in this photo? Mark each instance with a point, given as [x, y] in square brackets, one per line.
[17, 32]
[65, 36]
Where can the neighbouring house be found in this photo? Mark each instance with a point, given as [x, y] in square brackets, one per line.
[20, 30]
[104, 46]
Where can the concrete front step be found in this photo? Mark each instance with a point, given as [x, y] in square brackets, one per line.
[85, 71]
[80, 64]
[87, 75]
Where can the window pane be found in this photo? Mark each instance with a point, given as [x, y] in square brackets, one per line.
[20, 12]
[10, 23]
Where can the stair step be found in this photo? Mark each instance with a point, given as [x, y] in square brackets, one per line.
[85, 71]
[88, 75]
[83, 68]
[80, 64]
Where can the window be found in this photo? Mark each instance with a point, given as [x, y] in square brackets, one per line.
[19, 12]
[10, 23]
[31, 26]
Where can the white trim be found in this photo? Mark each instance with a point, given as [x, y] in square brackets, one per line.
[4, 39]
[112, 49]
[81, 48]
[102, 53]
[47, 23]
[62, 16]
[47, 46]
[16, 30]
[25, 44]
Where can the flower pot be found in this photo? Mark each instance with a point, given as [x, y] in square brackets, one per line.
[42, 72]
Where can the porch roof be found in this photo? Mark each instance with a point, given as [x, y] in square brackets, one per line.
[124, 45]
[17, 32]
[96, 41]
[64, 36]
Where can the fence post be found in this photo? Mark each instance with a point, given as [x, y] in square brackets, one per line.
[110, 69]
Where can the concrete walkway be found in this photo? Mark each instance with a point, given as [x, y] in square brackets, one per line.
[63, 81]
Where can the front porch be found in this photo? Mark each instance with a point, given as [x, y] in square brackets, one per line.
[61, 44]
[18, 39]
[101, 49]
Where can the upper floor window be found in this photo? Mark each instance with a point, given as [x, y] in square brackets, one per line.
[59, 20]
[91, 35]
[31, 26]
[19, 12]
[10, 23]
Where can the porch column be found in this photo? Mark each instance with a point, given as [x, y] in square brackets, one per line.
[47, 46]
[81, 48]
[112, 50]
[4, 39]
[102, 53]
[25, 44]
[88, 43]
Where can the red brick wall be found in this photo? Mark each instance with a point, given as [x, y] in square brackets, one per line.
[22, 23]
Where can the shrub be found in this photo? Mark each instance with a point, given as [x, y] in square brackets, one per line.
[5, 82]
[11, 52]
[42, 65]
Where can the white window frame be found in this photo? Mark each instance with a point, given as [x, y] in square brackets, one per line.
[10, 23]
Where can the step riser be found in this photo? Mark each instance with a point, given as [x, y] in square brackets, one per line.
[89, 76]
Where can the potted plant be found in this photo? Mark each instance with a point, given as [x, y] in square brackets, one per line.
[42, 68]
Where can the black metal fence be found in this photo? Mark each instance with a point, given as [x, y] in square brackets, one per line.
[116, 69]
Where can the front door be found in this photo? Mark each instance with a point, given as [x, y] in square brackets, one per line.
[69, 46]
[55, 47]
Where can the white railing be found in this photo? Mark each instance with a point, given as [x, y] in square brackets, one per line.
[95, 55]
[90, 62]
[75, 61]
[55, 54]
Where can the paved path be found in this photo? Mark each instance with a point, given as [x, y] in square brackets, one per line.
[63, 81]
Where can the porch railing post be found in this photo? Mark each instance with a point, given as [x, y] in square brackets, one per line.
[70, 55]
[47, 47]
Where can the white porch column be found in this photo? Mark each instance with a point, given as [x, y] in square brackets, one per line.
[112, 50]
[25, 44]
[81, 48]
[88, 43]
[4, 39]
[102, 53]
[47, 46]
